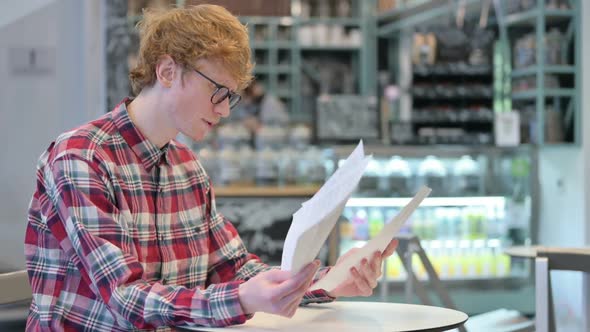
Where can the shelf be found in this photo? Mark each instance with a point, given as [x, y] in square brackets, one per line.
[285, 93]
[449, 123]
[557, 69]
[529, 17]
[266, 69]
[403, 10]
[439, 97]
[547, 93]
[268, 45]
[283, 69]
[420, 13]
[421, 151]
[464, 71]
[461, 281]
[268, 191]
[346, 21]
[267, 20]
[490, 201]
[335, 48]
[262, 69]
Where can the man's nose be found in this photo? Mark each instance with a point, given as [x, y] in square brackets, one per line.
[222, 109]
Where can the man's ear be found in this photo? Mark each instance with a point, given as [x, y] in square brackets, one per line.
[165, 71]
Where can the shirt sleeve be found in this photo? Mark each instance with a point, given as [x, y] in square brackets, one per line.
[230, 260]
[91, 231]
[318, 295]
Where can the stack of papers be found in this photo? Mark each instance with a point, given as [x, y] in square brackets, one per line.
[316, 218]
[314, 221]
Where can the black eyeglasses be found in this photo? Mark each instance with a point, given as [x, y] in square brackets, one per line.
[222, 92]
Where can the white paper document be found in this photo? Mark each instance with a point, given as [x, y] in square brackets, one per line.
[316, 218]
[340, 272]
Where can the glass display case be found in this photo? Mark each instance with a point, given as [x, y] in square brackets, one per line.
[483, 201]
[480, 204]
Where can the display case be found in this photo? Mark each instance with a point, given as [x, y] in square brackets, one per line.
[480, 204]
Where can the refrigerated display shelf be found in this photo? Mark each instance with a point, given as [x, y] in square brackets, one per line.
[491, 201]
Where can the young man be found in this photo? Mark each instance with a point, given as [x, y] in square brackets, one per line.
[123, 231]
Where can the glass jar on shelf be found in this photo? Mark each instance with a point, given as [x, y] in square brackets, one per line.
[287, 166]
[432, 173]
[300, 136]
[373, 180]
[466, 177]
[316, 170]
[399, 177]
[209, 160]
[233, 135]
[266, 167]
[247, 161]
[229, 166]
[269, 136]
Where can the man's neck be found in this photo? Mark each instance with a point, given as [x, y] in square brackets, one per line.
[148, 114]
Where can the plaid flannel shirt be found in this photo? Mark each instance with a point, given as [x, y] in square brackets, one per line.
[124, 236]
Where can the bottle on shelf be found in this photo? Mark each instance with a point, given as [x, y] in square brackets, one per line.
[473, 223]
[395, 269]
[360, 224]
[376, 222]
[345, 226]
[502, 263]
[488, 268]
[417, 223]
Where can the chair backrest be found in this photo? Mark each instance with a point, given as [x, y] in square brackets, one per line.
[567, 259]
[548, 259]
[14, 287]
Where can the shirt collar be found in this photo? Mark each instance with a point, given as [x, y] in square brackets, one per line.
[149, 154]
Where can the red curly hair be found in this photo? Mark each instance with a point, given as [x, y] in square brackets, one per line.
[190, 34]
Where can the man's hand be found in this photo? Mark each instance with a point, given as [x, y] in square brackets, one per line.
[276, 292]
[363, 280]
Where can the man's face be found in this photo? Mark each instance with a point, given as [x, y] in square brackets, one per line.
[193, 112]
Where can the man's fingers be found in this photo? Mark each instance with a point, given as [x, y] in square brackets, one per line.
[390, 249]
[299, 281]
[376, 264]
[291, 301]
[277, 276]
[369, 274]
[361, 282]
